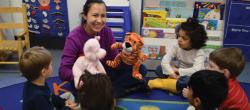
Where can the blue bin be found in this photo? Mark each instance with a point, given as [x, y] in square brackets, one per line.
[122, 13]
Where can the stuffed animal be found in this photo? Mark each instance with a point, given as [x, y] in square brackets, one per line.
[131, 53]
[90, 61]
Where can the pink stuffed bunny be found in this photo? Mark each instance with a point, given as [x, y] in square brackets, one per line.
[90, 61]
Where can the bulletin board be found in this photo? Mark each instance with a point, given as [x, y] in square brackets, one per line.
[237, 26]
[47, 18]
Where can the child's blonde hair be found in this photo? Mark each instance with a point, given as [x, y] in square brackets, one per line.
[229, 58]
[33, 61]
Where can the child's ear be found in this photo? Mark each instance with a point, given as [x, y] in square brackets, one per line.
[43, 72]
[226, 73]
[196, 101]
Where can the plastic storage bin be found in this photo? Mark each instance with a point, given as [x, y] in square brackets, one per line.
[119, 20]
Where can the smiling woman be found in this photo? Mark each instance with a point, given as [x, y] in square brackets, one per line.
[93, 24]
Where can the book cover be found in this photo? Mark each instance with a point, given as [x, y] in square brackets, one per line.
[172, 22]
[209, 10]
[154, 52]
[161, 14]
[152, 33]
[154, 22]
[209, 24]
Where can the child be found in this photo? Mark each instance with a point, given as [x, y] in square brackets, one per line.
[230, 62]
[95, 92]
[36, 67]
[188, 54]
[208, 89]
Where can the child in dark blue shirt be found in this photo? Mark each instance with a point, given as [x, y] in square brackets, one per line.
[36, 67]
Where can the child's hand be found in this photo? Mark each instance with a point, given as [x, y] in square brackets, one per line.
[175, 69]
[174, 76]
[187, 93]
[71, 104]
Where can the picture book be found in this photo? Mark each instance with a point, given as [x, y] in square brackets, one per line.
[152, 33]
[172, 22]
[154, 22]
[161, 14]
[154, 52]
[209, 24]
[208, 10]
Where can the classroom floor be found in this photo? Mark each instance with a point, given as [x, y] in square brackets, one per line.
[10, 74]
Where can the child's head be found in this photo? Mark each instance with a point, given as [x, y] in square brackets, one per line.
[191, 35]
[35, 62]
[95, 92]
[229, 61]
[208, 89]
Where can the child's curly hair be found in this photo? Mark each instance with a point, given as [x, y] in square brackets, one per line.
[95, 92]
[195, 31]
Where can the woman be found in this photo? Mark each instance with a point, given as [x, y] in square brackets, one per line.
[93, 24]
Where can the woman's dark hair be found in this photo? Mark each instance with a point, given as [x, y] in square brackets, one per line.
[210, 87]
[95, 92]
[195, 31]
[88, 5]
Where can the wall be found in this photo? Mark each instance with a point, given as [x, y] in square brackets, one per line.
[6, 18]
[75, 8]
[136, 14]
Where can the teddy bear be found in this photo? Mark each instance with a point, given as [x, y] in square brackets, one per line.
[130, 54]
[90, 61]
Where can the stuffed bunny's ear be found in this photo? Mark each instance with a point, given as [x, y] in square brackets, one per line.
[97, 37]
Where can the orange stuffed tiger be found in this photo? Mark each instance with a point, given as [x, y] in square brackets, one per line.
[131, 53]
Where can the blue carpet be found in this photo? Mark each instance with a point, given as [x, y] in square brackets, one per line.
[11, 98]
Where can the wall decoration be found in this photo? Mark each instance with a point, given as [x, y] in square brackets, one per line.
[47, 18]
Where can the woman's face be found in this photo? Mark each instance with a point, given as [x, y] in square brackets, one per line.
[183, 40]
[95, 18]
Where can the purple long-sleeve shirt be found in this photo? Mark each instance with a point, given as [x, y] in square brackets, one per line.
[74, 47]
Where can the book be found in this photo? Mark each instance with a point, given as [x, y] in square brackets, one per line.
[154, 22]
[152, 33]
[161, 14]
[208, 10]
[154, 52]
[209, 24]
[172, 22]
[154, 18]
